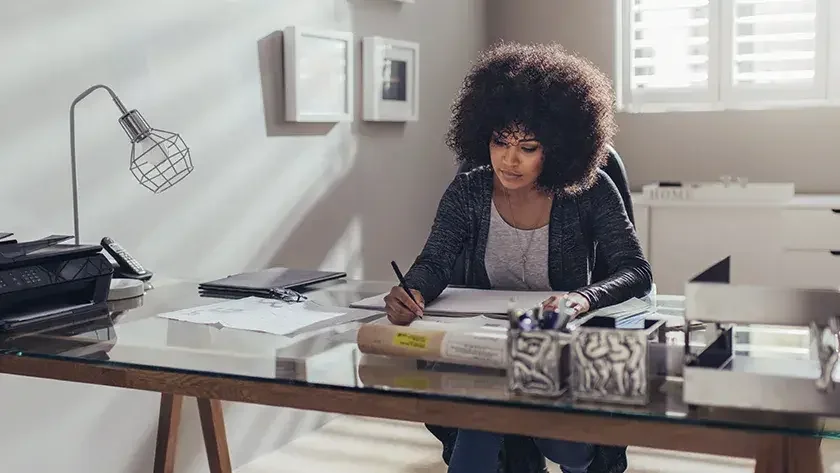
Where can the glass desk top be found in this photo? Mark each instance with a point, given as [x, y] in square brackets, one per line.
[328, 356]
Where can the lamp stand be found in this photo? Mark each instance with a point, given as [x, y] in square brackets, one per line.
[78, 99]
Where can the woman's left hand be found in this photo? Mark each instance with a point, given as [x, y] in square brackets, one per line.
[572, 303]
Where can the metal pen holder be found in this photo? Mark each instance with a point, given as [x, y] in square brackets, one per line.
[539, 363]
[616, 365]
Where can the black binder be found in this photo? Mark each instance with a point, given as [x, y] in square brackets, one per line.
[266, 283]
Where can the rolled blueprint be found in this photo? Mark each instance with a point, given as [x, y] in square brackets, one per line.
[435, 341]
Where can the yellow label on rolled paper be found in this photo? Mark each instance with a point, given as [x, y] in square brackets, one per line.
[410, 340]
[411, 382]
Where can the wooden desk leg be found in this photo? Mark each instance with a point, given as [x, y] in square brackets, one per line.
[770, 457]
[167, 435]
[215, 439]
[778, 454]
[803, 455]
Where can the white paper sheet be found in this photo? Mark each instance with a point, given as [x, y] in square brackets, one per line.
[467, 321]
[471, 302]
[468, 302]
[631, 306]
[255, 314]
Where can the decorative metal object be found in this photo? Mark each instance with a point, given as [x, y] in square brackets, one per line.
[159, 159]
[825, 340]
[612, 364]
[538, 362]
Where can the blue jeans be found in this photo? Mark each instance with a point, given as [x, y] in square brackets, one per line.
[478, 452]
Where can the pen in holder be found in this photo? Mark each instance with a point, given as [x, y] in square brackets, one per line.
[538, 352]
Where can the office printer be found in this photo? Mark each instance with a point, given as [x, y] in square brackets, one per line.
[90, 337]
[45, 282]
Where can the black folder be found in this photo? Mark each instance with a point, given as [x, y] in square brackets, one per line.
[265, 283]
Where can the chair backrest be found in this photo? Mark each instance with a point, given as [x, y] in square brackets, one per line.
[615, 170]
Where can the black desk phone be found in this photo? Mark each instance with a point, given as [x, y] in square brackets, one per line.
[126, 266]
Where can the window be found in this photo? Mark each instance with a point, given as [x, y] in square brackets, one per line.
[718, 54]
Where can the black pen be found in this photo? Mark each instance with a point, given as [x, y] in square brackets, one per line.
[403, 284]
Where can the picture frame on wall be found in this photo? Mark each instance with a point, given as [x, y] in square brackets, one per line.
[318, 71]
[391, 79]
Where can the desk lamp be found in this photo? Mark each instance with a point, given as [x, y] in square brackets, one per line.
[159, 159]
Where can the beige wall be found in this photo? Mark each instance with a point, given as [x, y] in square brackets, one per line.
[782, 145]
[349, 196]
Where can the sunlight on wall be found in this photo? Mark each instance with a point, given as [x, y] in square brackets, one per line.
[307, 181]
[193, 70]
[191, 67]
[261, 192]
[347, 252]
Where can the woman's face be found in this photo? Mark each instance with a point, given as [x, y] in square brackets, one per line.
[517, 160]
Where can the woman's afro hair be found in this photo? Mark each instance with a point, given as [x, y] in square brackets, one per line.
[559, 98]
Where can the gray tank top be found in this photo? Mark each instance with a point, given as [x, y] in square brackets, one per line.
[504, 256]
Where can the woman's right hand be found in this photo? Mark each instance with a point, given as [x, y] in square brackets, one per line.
[400, 309]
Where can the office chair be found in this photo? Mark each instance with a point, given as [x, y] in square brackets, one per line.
[520, 454]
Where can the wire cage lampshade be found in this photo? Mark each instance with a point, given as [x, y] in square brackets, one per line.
[159, 158]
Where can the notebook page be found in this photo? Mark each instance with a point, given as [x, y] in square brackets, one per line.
[463, 301]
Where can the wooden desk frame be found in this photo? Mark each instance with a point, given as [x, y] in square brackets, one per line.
[212, 428]
[774, 453]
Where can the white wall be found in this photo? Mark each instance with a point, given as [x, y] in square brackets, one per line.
[264, 192]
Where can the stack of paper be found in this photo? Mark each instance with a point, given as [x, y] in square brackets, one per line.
[631, 306]
[462, 302]
[628, 314]
[256, 314]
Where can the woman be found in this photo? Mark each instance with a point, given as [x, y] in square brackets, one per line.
[535, 123]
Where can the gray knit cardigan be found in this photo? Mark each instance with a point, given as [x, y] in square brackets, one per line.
[579, 224]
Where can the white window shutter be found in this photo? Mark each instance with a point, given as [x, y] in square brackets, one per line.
[833, 52]
[774, 50]
[670, 51]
